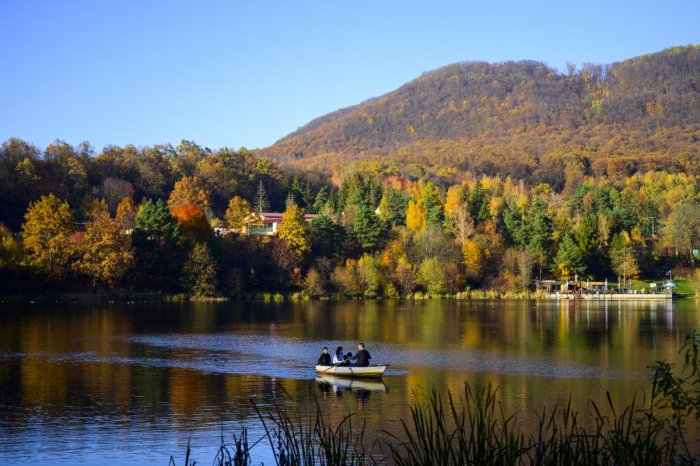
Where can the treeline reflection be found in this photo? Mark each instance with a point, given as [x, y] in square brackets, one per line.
[76, 365]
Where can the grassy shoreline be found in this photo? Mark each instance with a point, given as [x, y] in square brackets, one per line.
[95, 297]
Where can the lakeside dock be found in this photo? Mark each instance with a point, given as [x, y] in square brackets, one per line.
[613, 296]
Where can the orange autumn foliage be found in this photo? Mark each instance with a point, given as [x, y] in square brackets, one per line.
[192, 221]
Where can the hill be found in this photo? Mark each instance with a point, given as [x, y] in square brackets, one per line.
[522, 119]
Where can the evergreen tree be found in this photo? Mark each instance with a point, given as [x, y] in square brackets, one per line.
[307, 196]
[538, 231]
[568, 262]
[393, 207]
[156, 243]
[200, 272]
[431, 199]
[320, 200]
[514, 226]
[586, 236]
[328, 238]
[368, 228]
[484, 213]
[360, 188]
[476, 199]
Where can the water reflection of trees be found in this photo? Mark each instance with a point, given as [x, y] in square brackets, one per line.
[73, 362]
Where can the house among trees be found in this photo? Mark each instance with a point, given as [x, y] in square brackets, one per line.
[264, 224]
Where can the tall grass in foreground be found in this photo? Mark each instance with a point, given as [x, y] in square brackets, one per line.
[309, 442]
[471, 429]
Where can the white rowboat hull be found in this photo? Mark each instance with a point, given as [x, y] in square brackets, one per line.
[352, 371]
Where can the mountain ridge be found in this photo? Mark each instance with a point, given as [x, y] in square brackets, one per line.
[646, 106]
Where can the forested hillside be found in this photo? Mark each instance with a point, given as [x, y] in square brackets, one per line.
[521, 119]
[174, 219]
[472, 176]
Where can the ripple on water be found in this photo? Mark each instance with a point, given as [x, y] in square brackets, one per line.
[292, 358]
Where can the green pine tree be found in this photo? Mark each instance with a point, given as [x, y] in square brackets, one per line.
[393, 206]
[368, 228]
[484, 213]
[514, 226]
[328, 238]
[568, 262]
[586, 236]
[157, 246]
[476, 199]
[538, 232]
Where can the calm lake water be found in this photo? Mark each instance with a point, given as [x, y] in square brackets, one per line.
[132, 383]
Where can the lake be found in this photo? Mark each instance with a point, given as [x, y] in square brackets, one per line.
[133, 383]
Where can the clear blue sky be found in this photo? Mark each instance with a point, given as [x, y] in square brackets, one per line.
[246, 73]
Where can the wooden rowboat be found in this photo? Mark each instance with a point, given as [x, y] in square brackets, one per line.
[352, 371]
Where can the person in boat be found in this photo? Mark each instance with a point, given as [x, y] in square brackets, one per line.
[362, 356]
[325, 358]
[338, 357]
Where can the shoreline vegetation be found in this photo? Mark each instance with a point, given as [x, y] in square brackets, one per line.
[470, 428]
[277, 297]
[686, 289]
[189, 222]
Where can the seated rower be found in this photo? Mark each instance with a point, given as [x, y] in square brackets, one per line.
[338, 357]
[362, 356]
[325, 358]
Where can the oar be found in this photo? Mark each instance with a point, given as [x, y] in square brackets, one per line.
[331, 367]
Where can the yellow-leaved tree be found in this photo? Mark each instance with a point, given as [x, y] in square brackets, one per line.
[416, 216]
[189, 190]
[10, 249]
[126, 215]
[459, 221]
[104, 252]
[238, 210]
[294, 231]
[454, 200]
[46, 235]
[472, 259]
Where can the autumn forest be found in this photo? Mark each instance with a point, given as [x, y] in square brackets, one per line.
[472, 177]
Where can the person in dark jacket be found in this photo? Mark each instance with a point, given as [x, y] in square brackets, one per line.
[362, 356]
[325, 358]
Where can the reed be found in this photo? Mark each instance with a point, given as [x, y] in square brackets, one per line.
[298, 440]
